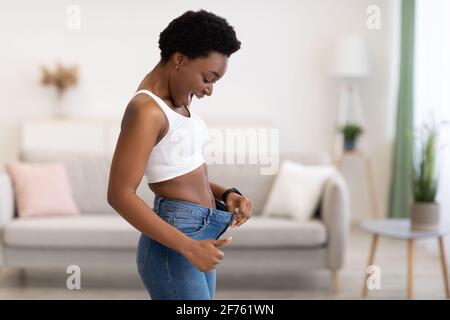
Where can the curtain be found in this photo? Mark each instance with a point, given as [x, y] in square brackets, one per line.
[400, 195]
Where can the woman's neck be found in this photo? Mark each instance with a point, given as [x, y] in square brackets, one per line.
[157, 81]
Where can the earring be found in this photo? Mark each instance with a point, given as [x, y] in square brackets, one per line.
[176, 67]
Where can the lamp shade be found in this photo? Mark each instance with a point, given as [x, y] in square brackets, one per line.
[349, 58]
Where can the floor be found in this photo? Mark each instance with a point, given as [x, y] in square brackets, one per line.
[390, 257]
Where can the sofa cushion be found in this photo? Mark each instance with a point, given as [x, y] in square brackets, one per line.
[296, 190]
[41, 189]
[88, 174]
[251, 182]
[84, 231]
[89, 177]
[270, 232]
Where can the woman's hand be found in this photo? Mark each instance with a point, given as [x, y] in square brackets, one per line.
[241, 206]
[205, 255]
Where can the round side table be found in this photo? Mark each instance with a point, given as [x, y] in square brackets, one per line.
[400, 229]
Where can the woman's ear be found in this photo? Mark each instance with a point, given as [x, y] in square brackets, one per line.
[178, 59]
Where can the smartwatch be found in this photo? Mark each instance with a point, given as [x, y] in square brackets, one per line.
[227, 192]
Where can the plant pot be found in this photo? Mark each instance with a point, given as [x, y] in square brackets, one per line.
[425, 216]
[349, 144]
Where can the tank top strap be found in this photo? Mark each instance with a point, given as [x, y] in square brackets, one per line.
[165, 108]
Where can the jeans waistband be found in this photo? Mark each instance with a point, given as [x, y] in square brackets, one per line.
[182, 207]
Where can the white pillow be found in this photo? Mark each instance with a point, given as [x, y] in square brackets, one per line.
[296, 190]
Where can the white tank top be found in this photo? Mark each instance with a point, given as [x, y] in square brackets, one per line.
[181, 150]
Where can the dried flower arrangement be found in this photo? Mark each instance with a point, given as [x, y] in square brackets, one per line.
[62, 78]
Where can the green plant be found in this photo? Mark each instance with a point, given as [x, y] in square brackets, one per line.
[351, 131]
[424, 181]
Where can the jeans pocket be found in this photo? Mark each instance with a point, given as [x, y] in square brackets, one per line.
[190, 226]
[142, 252]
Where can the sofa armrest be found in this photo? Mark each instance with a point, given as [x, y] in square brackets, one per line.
[335, 214]
[6, 199]
[6, 207]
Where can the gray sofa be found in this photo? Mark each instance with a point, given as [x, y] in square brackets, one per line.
[102, 238]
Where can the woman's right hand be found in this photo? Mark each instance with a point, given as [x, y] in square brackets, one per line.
[205, 255]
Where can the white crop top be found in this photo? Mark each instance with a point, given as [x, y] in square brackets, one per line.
[181, 149]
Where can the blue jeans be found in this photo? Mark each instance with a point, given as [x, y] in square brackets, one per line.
[167, 274]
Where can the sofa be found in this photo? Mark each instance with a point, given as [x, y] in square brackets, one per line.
[100, 237]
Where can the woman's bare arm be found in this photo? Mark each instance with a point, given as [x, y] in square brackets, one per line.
[217, 190]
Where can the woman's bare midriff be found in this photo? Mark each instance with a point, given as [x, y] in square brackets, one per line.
[192, 186]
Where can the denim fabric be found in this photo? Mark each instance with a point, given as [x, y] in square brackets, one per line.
[168, 275]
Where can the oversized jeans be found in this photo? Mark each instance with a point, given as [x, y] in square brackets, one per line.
[168, 275]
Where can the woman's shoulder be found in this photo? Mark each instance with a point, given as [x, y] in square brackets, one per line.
[143, 110]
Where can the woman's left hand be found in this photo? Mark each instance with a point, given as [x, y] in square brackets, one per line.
[241, 206]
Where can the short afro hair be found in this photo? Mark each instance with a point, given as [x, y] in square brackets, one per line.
[196, 34]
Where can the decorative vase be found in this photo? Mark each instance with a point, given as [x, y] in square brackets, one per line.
[60, 110]
[349, 144]
[425, 216]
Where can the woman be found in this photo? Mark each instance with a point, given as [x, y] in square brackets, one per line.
[160, 137]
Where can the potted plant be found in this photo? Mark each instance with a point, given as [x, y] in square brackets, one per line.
[351, 133]
[62, 79]
[425, 210]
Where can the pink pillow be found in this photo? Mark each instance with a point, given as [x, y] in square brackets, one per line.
[41, 189]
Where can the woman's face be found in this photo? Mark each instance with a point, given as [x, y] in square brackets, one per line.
[195, 77]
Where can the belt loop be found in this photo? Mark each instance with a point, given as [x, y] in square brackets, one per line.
[208, 217]
[156, 202]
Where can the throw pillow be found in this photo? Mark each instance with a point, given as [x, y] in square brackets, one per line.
[41, 189]
[296, 190]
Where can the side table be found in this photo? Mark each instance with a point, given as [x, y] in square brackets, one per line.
[400, 229]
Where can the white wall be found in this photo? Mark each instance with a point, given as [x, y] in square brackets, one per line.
[279, 77]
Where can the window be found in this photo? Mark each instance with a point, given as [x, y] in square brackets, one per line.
[432, 82]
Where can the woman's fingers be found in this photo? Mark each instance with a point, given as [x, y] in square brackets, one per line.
[239, 219]
[241, 222]
[243, 212]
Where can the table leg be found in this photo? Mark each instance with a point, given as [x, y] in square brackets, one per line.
[409, 291]
[369, 263]
[444, 266]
